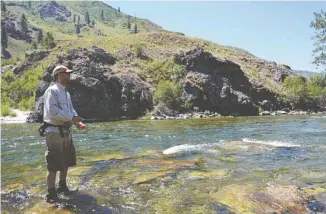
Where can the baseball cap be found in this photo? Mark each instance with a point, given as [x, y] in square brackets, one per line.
[60, 69]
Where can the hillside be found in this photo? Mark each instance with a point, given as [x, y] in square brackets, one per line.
[306, 74]
[151, 56]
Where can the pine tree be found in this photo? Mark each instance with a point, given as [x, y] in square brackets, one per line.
[74, 18]
[78, 19]
[77, 29]
[40, 36]
[119, 9]
[23, 23]
[3, 6]
[34, 45]
[49, 40]
[87, 20]
[129, 25]
[102, 15]
[135, 29]
[4, 39]
[29, 4]
[93, 22]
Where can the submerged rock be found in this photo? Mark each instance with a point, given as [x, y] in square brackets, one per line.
[271, 199]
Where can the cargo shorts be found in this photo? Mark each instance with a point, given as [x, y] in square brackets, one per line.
[60, 153]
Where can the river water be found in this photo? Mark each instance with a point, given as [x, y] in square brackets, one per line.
[222, 165]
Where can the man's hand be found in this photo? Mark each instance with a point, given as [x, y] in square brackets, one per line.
[76, 119]
[81, 125]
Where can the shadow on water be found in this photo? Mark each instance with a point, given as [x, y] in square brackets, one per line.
[81, 202]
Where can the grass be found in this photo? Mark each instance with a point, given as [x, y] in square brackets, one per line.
[7, 111]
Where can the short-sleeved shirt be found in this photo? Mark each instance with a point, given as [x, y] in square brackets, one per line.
[58, 109]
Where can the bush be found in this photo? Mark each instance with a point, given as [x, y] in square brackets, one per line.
[297, 91]
[12, 61]
[166, 69]
[316, 89]
[139, 50]
[27, 103]
[294, 90]
[169, 94]
[48, 41]
[6, 111]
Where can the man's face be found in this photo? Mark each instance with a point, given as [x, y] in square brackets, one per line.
[65, 77]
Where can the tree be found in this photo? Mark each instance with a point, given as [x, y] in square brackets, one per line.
[93, 22]
[23, 23]
[294, 90]
[3, 6]
[40, 36]
[78, 19]
[102, 15]
[49, 41]
[34, 45]
[119, 9]
[87, 20]
[77, 29]
[319, 53]
[29, 4]
[74, 18]
[129, 25]
[135, 29]
[4, 39]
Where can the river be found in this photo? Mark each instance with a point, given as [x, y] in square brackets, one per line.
[222, 165]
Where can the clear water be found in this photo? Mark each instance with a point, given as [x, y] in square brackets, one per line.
[156, 166]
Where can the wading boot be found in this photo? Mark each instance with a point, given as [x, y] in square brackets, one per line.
[63, 188]
[52, 195]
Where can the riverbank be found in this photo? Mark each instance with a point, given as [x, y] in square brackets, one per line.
[207, 114]
[20, 117]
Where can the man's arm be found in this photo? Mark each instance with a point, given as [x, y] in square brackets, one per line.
[52, 107]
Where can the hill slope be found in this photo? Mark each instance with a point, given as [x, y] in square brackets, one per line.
[150, 56]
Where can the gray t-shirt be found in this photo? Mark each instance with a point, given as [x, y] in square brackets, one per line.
[58, 109]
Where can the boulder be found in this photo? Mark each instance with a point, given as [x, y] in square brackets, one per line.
[215, 84]
[55, 10]
[281, 112]
[96, 93]
[266, 105]
[36, 55]
[264, 113]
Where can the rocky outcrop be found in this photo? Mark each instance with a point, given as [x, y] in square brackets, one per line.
[218, 84]
[36, 55]
[12, 27]
[97, 93]
[31, 58]
[55, 10]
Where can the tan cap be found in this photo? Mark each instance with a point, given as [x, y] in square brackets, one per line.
[59, 69]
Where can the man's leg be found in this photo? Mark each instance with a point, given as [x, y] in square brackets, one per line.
[62, 182]
[50, 181]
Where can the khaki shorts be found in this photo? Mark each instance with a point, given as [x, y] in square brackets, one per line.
[60, 152]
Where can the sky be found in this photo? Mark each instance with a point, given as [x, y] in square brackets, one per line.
[275, 31]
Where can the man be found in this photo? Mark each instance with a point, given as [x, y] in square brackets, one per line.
[59, 116]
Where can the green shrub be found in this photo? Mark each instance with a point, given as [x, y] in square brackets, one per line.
[166, 69]
[19, 92]
[48, 41]
[27, 103]
[6, 111]
[294, 90]
[12, 61]
[316, 89]
[139, 50]
[169, 94]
